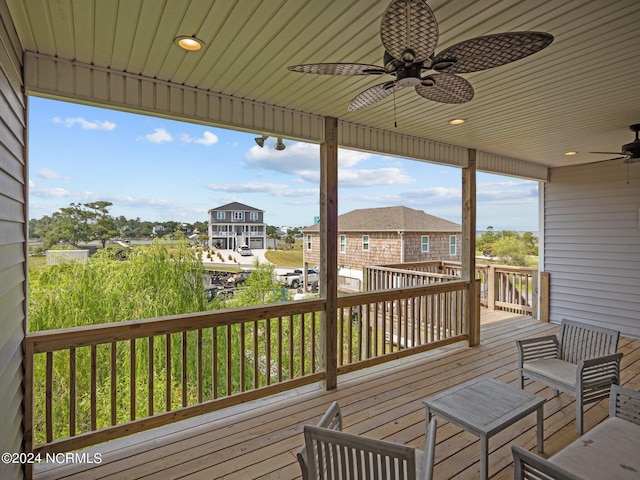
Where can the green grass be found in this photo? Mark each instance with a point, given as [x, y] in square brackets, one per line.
[285, 258]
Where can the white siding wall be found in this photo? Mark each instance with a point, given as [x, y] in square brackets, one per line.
[592, 244]
[13, 194]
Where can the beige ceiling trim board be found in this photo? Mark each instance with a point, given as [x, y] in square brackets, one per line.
[64, 79]
[77, 81]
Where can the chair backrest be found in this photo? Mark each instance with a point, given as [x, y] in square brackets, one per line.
[624, 403]
[345, 456]
[332, 419]
[578, 341]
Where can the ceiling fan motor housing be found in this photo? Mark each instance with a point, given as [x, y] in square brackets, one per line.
[408, 76]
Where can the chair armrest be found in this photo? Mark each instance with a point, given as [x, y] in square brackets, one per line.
[624, 403]
[539, 347]
[526, 465]
[599, 371]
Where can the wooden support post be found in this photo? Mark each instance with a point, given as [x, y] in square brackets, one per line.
[469, 246]
[544, 296]
[492, 286]
[329, 248]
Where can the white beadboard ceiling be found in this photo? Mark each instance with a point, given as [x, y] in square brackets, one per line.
[581, 93]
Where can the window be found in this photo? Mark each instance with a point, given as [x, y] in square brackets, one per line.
[309, 241]
[253, 215]
[365, 243]
[220, 215]
[452, 244]
[343, 243]
[238, 215]
[424, 244]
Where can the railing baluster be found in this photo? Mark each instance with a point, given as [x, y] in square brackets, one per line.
[214, 361]
[92, 394]
[229, 362]
[242, 358]
[132, 379]
[291, 349]
[184, 369]
[113, 372]
[256, 354]
[280, 349]
[72, 392]
[268, 349]
[150, 379]
[199, 366]
[49, 397]
[303, 342]
[168, 373]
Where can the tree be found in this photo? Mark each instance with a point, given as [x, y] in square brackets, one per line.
[511, 250]
[290, 240]
[70, 225]
[101, 224]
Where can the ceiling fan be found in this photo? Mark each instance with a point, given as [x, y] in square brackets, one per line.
[630, 152]
[409, 34]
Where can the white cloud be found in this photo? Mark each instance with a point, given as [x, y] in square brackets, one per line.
[207, 139]
[84, 123]
[273, 189]
[159, 135]
[48, 174]
[48, 192]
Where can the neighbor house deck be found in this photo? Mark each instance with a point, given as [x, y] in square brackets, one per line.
[259, 439]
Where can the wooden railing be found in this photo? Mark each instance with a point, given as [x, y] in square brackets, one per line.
[502, 287]
[88, 385]
[379, 326]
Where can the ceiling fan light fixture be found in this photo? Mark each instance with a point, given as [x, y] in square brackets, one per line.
[457, 121]
[279, 144]
[190, 44]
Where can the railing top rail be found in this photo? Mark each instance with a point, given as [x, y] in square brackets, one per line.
[508, 268]
[74, 337]
[411, 272]
[353, 299]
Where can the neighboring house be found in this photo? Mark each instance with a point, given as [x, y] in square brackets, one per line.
[378, 236]
[236, 224]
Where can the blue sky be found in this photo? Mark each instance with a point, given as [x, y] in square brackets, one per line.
[158, 169]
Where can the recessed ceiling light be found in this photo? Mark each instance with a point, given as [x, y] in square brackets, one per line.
[568, 154]
[190, 44]
[457, 121]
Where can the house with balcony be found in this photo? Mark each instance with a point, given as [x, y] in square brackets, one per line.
[537, 119]
[387, 235]
[235, 224]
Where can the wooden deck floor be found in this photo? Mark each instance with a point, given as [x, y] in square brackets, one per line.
[259, 440]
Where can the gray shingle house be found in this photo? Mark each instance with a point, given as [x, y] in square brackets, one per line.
[236, 224]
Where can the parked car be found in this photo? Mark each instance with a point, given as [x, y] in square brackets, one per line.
[296, 278]
[244, 250]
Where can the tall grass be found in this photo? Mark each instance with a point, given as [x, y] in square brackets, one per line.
[153, 281]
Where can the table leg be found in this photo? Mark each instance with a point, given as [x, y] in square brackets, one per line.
[484, 457]
[427, 417]
[540, 429]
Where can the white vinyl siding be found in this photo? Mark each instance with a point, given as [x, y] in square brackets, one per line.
[592, 245]
[13, 201]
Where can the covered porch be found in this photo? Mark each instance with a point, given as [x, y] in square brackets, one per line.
[260, 438]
